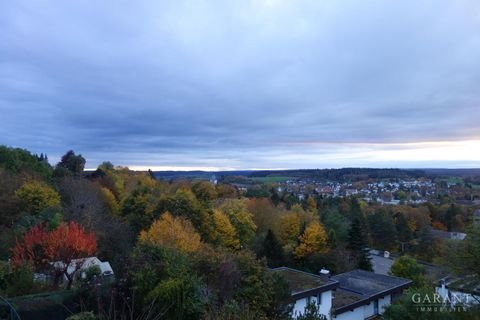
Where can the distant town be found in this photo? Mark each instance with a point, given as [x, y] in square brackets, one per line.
[390, 187]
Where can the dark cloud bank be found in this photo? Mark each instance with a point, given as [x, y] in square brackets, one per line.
[245, 84]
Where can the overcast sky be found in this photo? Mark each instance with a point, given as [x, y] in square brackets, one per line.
[243, 84]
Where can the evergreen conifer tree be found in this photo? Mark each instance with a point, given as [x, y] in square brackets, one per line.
[273, 250]
[357, 244]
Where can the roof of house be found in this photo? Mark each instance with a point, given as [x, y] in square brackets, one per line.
[368, 283]
[303, 282]
[343, 298]
[467, 284]
[359, 287]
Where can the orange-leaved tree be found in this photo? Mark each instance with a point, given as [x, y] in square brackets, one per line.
[63, 248]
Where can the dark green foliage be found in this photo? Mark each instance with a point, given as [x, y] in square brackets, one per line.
[50, 217]
[382, 229]
[404, 233]
[138, 208]
[357, 244]
[17, 282]
[334, 221]
[406, 267]
[290, 200]
[275, 198]
[204, 191]
[232, 310]
[280, 307]
[355, 210]
[451, 215]
[182, 203]
[344, 174]
[70, 164]
[332, 238]
[254, 282]
[18, 160]
[426, 244]
[164, 277]
[273, 251]
[9, 203]
[464, 257]
[257, 192]
[7, 241]
[364, 262]
[311, 312]
[356, 237]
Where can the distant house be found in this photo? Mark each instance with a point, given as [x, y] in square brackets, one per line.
[350, 192]
[445, 235]
[326, 191]
[84, 264]
[354, 295]
[460, 290]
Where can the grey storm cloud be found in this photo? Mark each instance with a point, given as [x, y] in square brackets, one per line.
[240, 84]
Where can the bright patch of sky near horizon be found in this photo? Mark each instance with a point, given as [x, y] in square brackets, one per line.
[243, 84]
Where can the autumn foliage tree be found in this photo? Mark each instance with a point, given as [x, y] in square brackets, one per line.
[63, 248]
[241, 219]
[289, 228]
[313, 240]
[172, 232]
[224, 233]
[37, 196]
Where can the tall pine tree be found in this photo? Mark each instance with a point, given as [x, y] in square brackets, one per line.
[273, 250]
[357, 244]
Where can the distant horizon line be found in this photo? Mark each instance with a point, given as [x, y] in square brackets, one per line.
[143, 169]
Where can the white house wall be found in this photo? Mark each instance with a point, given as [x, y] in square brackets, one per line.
[299, 306]
[368, 310]
[365, 311]
[384, 303]
[324, 307]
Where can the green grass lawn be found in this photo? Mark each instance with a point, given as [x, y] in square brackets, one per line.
[272, 179]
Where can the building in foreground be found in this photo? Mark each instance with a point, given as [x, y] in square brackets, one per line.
[354, 295]
[363, 295]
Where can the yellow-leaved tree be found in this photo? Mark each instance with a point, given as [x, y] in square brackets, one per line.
[289, 228]
[110, 201]
[224, 231]
[170, 231]
[37, 196]
[311, 205]
[313, 240]
[242, 219]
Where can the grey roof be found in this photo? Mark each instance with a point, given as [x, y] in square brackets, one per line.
[359, 287]
[476, 213]
[344, 298]
[368, 283]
